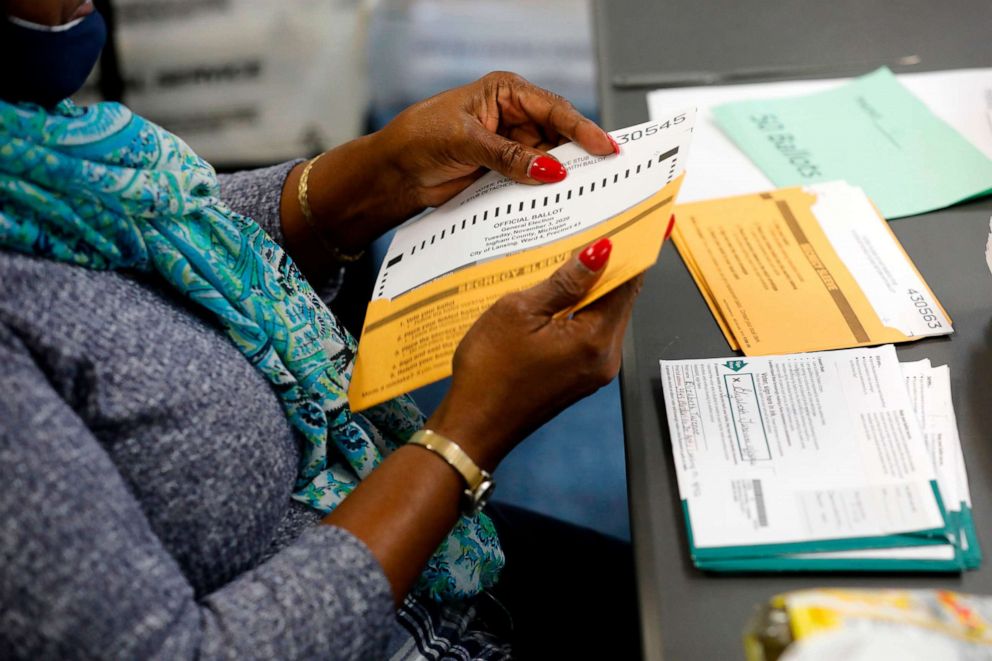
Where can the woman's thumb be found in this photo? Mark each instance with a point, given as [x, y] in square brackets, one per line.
[569, 284]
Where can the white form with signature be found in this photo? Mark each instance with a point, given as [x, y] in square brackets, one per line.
[794, 448]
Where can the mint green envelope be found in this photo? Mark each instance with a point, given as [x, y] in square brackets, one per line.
[871, 132]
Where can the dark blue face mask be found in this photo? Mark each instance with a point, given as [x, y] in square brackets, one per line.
[45, 66]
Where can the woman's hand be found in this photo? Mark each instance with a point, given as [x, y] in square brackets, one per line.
[517, 367]
[429, 153]
[500, 122]
[520, 364]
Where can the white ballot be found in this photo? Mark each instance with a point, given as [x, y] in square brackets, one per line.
[800, 453]
[496, 216]
[962, 98]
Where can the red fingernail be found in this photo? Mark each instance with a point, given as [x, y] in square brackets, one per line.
[671, 226]
[595, 255]
[546, 170]
[616, 147]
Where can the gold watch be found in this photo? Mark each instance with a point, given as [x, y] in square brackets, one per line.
[479, 483]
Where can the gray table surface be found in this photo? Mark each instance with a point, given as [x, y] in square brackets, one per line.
[686, 613]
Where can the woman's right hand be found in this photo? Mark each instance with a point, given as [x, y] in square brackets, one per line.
[517, 367]
[520, 365]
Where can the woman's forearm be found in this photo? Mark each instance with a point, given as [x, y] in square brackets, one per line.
[403, 511]
[355, 194]
[412, 500]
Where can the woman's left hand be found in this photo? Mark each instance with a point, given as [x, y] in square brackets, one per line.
[500, 122]
[429, 153]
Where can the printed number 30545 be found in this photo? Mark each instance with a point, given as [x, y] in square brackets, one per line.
[650, 129]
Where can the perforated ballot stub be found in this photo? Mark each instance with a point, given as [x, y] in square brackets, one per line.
[496, 216]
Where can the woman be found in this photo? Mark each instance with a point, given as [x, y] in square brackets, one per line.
[181, 474]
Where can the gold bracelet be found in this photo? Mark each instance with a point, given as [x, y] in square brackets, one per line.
[303, 197]
[479, 483]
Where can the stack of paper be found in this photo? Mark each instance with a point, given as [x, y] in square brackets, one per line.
[929, 391]
[805, 269]
[837, 460]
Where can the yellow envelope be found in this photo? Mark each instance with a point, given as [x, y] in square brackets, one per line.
[408, 342]
[693, 269]
[777, 284]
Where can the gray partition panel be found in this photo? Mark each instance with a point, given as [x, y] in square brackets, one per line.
[686, 613]
[815, 39]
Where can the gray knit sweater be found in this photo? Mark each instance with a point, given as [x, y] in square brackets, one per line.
[145, 475]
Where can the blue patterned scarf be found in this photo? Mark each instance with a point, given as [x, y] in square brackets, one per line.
[102, 188]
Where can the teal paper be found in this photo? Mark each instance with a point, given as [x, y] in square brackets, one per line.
[932, 536]
[793, 564]
[871, 132]
[958, 531]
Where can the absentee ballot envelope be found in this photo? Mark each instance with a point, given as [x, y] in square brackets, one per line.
[817, 453]
[805, 269]
[444, 269]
